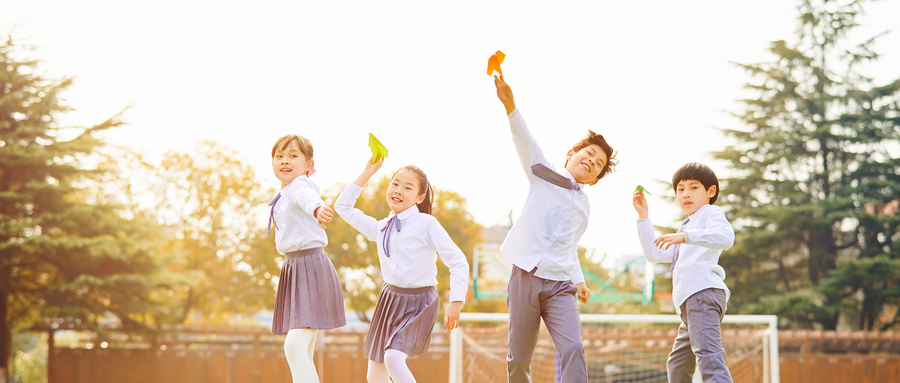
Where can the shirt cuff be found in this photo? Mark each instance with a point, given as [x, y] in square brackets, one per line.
[514, 112]
[642, 220]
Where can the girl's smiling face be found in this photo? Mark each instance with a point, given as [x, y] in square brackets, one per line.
[692, 195]
[290, 163]
[403, 191]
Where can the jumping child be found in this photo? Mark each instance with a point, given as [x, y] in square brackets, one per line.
[407, 241]
[542, 246]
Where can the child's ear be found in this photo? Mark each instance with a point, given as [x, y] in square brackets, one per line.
[310, 167]
[420, 199]
[711, 192]
[569, 155]
[594, 182]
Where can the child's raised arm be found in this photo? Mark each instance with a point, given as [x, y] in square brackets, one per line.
[504, 93]
[344, 204]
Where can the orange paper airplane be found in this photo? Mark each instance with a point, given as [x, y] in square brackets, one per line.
[494, 63]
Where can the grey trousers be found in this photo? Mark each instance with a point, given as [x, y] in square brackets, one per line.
[528, 300]
[699, 340]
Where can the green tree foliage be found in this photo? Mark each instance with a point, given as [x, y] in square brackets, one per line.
[66, 254]
[816, 175]
[357, 259]
[206, 201]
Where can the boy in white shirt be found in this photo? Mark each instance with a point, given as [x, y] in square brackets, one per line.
[698, 287]
[542, 245]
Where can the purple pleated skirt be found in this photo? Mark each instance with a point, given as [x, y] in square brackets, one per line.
[309, 293]
[403, 320]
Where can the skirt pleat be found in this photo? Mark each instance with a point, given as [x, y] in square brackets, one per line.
[309, 294]
[403, 321]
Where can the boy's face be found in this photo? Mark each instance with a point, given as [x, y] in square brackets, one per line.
[403, 191]
[586, 164]
[691, 195]
[290, 163]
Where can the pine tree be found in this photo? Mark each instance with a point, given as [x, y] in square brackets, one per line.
[813, 175]
[66, 257]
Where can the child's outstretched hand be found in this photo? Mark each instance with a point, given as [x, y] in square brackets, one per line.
[666, 241]
[640, 204]
[504, 93]
[451, 315]
[323, 215]
[583, 292]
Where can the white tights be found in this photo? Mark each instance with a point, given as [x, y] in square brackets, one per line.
[299, 345]
[393, 369]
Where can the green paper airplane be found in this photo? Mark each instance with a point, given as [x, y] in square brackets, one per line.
[378, 150]
[641, 188]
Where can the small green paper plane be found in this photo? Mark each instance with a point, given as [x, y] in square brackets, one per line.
[641, 188]
[378, 149]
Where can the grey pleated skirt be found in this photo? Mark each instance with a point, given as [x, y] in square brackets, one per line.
[403, 320]
[309, 293]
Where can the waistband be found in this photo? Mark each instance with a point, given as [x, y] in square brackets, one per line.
[410, 290]
[304, 252]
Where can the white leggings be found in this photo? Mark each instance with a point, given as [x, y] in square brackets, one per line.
[299, 345]
[393, 369]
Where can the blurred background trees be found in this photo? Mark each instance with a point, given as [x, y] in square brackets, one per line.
[66, 254]
[815, 181]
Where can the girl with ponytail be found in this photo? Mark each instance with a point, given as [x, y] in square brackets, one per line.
[409, 241]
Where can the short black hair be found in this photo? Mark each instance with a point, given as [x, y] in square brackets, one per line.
[700, 173]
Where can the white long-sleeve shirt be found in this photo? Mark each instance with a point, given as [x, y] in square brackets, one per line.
[296, 225]
[705, 237]
[412, 261]
[553, 219]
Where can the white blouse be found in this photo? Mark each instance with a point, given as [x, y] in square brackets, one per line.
[296, 227]
[412, 260]
[705, 237]
[553, 219]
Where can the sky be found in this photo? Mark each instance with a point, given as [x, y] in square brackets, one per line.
[656, 78]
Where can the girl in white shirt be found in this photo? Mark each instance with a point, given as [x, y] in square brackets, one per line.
[407, 241]
[309, 294]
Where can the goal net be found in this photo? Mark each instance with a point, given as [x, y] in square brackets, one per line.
[618, 348]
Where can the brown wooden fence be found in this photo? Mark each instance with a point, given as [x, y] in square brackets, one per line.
[248, 357]
[201, 356]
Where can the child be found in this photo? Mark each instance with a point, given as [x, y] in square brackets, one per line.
[407, 241]
[542, 245]
[698, 286]
[309, 294]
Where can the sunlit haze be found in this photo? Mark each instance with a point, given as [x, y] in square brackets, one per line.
[656, 78]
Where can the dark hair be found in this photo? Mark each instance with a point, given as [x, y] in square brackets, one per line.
[424, 187]
[700, 173]
[285, 142]
[597, 139]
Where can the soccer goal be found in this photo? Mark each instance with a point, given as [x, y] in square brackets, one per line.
[618, 348]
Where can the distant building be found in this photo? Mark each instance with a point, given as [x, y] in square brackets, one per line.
[491, 271]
